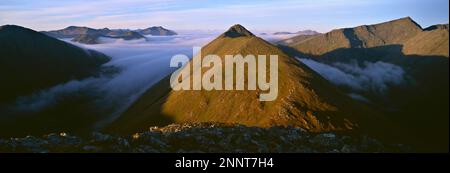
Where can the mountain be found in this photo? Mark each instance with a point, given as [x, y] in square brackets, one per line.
[385, 41]
[296, 39]
[87, 35]
[307, 32]
[87, 38]
[156, 31]
[301, 36]
[129, 35]
[365, 36]
[419, 105]
[31, 61]
[115, 32]
[236, 31]
[431, 41]
[72, 31]
[438, 26]
[305, 99]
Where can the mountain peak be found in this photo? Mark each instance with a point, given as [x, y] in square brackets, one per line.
[156, 30]
[74, 27]
[237, 30]
[406, 20]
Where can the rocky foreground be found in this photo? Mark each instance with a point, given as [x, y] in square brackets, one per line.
[205, 137]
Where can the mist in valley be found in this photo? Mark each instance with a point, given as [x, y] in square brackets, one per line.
[360, 78]
[136, 64]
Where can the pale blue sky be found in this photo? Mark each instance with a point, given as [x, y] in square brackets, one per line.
[271, 15]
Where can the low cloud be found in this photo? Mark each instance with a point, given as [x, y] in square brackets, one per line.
[270, 37]
[45, 98]
[370, 76]
[142, 63]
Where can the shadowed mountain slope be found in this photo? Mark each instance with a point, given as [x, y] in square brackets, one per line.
[31, 61]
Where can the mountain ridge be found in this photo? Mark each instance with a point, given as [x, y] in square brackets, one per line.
[156, 31]
[364, 36]
[88, 35]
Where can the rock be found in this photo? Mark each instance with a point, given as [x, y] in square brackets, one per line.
[7, 146]
[146, 149]
[62, 139]
[154, 128]
[72, 140]
[92, 149]
[109, 143]
[334, 151]
[348, 149]
[123, 142]
[53, 139]
[326, 140]
[29, 144]
[151, 138]
[99, 137]
[203, 137]
[371, 145]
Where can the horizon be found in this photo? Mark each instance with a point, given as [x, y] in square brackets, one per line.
[289, 16]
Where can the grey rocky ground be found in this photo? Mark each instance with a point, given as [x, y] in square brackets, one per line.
[205, 137]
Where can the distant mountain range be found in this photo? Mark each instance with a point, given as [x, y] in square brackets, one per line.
[304, 32]
[91, 36]
[307, 32]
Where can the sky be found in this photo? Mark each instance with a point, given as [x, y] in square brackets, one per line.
[259, 15]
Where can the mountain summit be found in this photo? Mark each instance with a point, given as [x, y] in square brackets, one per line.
[237, 31]
[156, 31]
